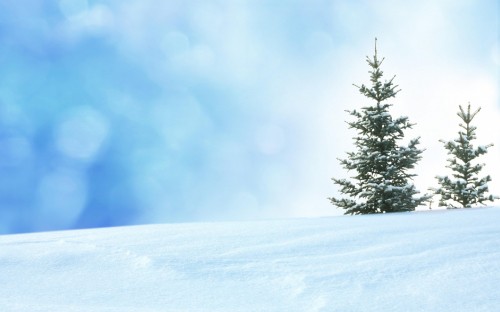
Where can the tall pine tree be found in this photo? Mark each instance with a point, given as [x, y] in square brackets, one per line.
[465, 188]
[382, 181]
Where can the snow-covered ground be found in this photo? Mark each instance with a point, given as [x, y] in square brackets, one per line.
[421, 261]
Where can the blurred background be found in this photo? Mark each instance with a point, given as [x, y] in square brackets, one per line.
[147, 111]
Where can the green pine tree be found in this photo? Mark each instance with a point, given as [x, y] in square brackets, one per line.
[465, 188]
[382, 181]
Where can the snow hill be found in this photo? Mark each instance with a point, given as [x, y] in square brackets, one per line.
[420, 261]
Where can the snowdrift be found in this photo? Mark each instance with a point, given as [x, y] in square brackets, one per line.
[421, 261]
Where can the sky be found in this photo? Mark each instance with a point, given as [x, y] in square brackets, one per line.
[147, 111]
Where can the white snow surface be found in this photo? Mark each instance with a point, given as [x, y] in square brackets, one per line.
[420, 261]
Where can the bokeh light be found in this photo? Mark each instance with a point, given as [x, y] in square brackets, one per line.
[146, 111]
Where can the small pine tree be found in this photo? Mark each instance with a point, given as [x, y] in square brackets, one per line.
[382, 181]
[465, 188]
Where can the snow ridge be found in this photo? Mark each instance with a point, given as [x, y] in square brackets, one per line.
[419, 261]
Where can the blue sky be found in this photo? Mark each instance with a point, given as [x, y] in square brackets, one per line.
[147, 111]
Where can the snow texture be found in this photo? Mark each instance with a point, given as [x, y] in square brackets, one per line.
[419, 261]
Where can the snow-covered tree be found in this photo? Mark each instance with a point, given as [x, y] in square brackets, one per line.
[382, 182]
[465, 188]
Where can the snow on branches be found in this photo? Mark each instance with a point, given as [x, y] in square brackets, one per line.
[382, 181]
[465, 188]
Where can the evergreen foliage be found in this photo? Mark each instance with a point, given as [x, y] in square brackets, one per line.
[382, 182]
[465, 188]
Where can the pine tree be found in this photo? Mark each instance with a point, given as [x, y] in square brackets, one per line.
[465, 188]
[382, 182]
